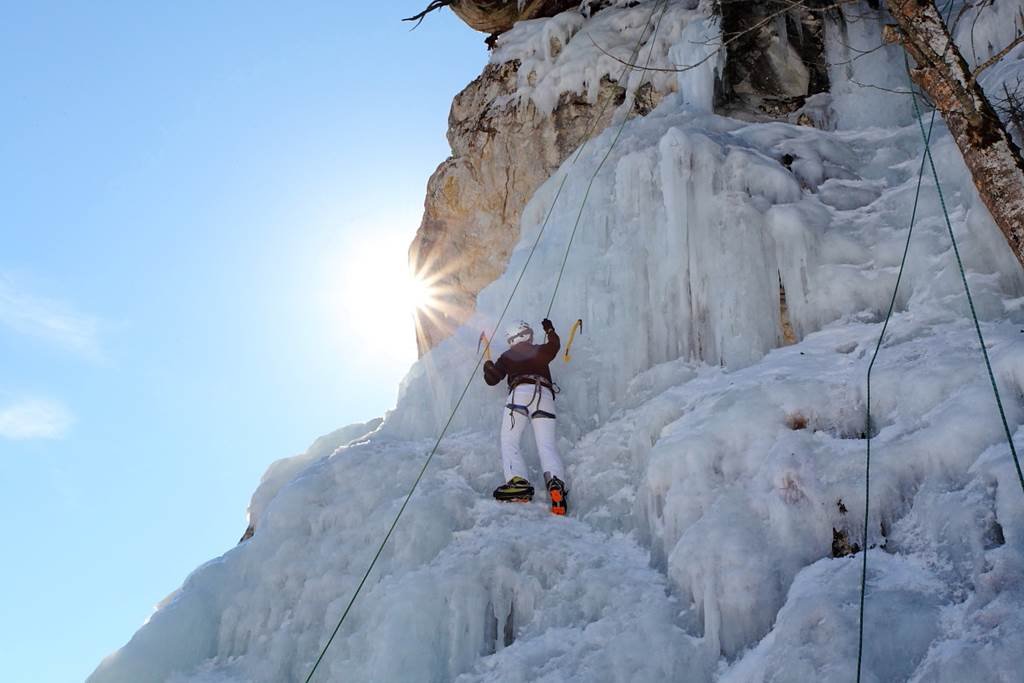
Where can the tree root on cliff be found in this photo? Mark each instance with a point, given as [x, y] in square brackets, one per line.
[434, 5]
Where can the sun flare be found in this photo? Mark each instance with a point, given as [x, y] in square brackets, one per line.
[379, 297]
[420, 293]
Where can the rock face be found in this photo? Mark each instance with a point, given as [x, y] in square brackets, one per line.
[774, 60]
[498, 16]
[503, 148]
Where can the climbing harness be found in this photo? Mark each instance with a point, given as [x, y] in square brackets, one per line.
[539, 383]
[663, 5]
[576, 327]
[539, 380]
[926, 157]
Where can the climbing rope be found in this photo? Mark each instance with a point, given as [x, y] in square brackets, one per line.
[926, 157]
[871, 366]
[433, 451]
[974, 314]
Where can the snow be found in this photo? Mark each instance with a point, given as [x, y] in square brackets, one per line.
[984, 34]
[570, 53]
[284, 470]
[709, 465]
[983, 29]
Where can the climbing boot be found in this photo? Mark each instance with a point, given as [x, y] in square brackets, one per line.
[516, 490]
[558, 496]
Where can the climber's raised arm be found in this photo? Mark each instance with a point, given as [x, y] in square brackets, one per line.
[549, 349]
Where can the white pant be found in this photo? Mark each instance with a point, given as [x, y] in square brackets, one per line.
[528, 399]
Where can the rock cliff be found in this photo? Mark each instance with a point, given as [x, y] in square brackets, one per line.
[502, 150]
[497, 16]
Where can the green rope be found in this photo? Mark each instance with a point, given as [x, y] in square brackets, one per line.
[476, 367]
[974, 314]
[871, 366]
[593, 177]
[927, 156]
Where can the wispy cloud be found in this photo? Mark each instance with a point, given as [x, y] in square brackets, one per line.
[51, 321]
[34, 418]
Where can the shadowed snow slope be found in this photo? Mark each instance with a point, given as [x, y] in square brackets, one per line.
[708, 467]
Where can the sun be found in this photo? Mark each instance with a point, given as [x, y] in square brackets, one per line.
[420, 294]
[379, 297]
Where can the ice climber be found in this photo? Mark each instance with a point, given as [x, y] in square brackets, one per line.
[531, 398]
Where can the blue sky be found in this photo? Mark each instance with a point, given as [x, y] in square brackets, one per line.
[184, 189]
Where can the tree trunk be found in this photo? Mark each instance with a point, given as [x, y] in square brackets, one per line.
[990, 153]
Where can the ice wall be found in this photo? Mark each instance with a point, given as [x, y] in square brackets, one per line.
[284, 470]
[868, 80]
[709, 468]
[688, 231]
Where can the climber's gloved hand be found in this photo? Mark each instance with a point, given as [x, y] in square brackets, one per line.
[547, 325]
[491, 373]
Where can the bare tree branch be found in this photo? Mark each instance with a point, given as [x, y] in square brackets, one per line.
[997, 56]
[1012, 105]
[974, 22]
[434, 5]
[960, 15]
[860, 55]
[878, 87]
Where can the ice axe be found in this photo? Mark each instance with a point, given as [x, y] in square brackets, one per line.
[486, 344]
[576, 327]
